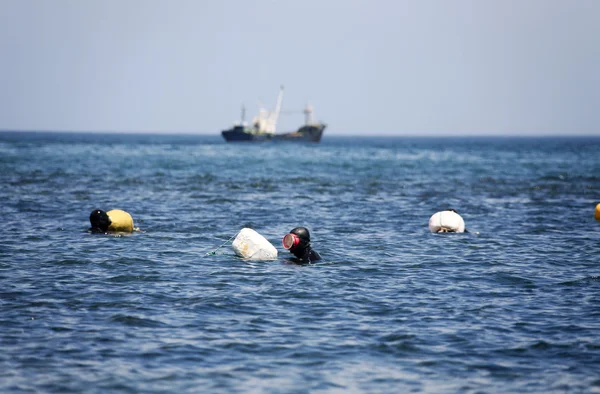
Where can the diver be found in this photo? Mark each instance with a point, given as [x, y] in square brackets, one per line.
[448, 221]
[115, 220]
[297, 242]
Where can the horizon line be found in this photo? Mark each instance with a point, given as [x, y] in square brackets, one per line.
[207, 134]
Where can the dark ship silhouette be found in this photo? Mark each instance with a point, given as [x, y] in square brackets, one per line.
[265, 123]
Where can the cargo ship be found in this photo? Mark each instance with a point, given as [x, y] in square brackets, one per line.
[264, 125]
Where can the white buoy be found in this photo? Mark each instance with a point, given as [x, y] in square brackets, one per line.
[446, 222]
[251, 245]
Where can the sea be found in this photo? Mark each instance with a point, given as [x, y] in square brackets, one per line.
[511, 306]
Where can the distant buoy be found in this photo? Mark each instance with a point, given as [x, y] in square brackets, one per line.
[446, 222]
[597, 214]
[251, 245]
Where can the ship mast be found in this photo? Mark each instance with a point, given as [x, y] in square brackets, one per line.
[308, 120]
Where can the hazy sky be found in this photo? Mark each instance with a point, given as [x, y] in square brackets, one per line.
[458, 67]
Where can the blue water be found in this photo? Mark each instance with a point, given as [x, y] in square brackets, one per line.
[512, 306]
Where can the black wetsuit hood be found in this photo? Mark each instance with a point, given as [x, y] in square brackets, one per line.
[99, 221]
[303, 250]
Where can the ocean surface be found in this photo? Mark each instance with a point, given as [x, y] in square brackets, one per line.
[512, 306]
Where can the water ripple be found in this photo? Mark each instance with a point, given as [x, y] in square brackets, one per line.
[511, 306]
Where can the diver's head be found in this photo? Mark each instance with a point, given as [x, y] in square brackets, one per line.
[99, 220]
[297, 239]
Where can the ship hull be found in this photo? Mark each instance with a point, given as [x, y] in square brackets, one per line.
[239, 134]
[309, 133]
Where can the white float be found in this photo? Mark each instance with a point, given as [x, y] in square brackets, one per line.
[251, 245]
[446, 222]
